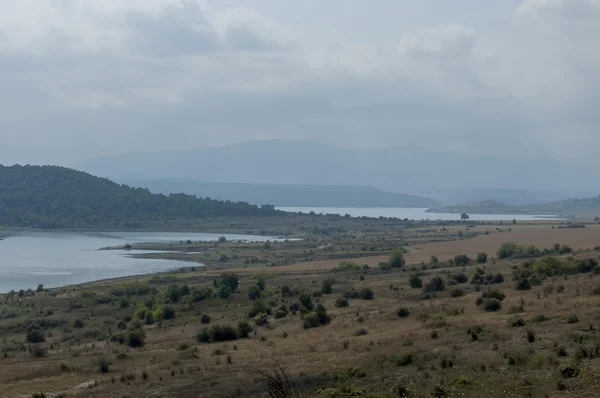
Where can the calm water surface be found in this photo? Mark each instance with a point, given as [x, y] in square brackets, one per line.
[58, 259]
[410, 213]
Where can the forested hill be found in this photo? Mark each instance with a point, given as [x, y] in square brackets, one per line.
[57, 197]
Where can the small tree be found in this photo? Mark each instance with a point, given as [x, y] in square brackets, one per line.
[254, 292]
[434, 260]
[230, 280]
[415, 281]
[327, 286]
[222, 239]
[481, 258]
[397, 259]
[40, 288]
[464, 216]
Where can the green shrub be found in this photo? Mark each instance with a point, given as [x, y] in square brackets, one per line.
[459, 278]
[217, 333]
[257, 308]
[164, 313]
[396, 259]
[572, 318]
[348, 266]
[244, 330]
[456, 292]
[201, 293]
[496, 294]
[35, 336]
[327, 287]
[78, 324]
[341, 302]
[229, 281]
[523, 284]
[415, 281]
[317, 318]
[365, 293]
[436, 284]
[482, 258]
[403, 360]
[306, 300]
[254, 292]
[492, 305]
[104, 365]
[461, 260]
[136, 338]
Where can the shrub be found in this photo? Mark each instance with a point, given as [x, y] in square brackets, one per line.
[495, 294]
[415, 281]
[530, 336]
[403, 312]
[361, 332]
[434, 260]
[201, 293]
[516, 322]
[217, 333]
[35, 336]
[205, 319]
[136, 338]
[230, 281]
[365, 294]
[317, 318]
[459, 278]
[244, 330]
[475, 331]
[482, 258]
[403, 360]
[456, 292]
[103, 365]
[492, 305]
[78, 324]
[461, 259]
[349, 266]
[507, 250]
[436, 284]
[164, 313]
[149, 320]
[286, 291]
[257, 308]
[572, 318]
[254, 292]
[498, 278]
[341, 302]
[306, 300]
[327, 286]
[396, 259]
[523, 284]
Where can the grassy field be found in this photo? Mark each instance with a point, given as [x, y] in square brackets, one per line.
[524, 325]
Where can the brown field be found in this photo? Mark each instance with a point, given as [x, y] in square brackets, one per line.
[543, 342]
[540, 234]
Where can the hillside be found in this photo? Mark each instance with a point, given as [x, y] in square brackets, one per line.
[57, 197]
[287, 194]
[566, 208]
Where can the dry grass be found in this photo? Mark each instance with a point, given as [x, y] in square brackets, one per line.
[394, 354]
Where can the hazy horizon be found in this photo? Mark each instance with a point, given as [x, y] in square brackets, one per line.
[100, 78]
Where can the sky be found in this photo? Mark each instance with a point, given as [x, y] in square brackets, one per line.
[81, 79]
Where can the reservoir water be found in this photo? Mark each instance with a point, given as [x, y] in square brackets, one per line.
[412, 213]
[58, 259]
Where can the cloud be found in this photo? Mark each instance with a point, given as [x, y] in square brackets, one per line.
[578, 9]
[129, 71]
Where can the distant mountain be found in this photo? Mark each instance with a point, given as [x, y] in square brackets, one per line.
[287, 194]
[57, 197]
[399, 169]
[588, 207]
[512, 197]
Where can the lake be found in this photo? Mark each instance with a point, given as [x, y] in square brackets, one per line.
[412, 213]
[59, 259]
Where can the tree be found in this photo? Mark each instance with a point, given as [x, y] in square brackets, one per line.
[222, 239]
[434, 260]
[397, 259]
[40, 288]
[254, 292]
[230, 280]
[597, 219]
[514, 220]
[464, 216]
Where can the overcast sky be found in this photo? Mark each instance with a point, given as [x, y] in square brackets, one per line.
[86, 78]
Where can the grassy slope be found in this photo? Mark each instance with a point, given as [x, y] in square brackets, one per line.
[367, 335]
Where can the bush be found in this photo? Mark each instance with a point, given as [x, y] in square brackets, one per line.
[257, 308]
[327, 287]
[415, 281]
[348, 266]
[35, 336]
[461, 259]
[149, 320]
[201, 293]
[482, 258]
[403, 312]
[516, 322]
[436, 284]
[136, 338]
[164, 313]
[492, 305]
[498, 278]
[217, 333]
[456, 292]
[341, 302]
[306, 300]
[572, 318]
[205, 319]
[317, 318]
[286, 291]
[244, 330]
[78, 324]
[459, 278]
[103, 365]
[254, 292]
[434, 260]
[403, 360]
[495, 294]
[230, 281]
[530, 336]
[507, 250]
[523, 284]
[396, 259]
[365, 294]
